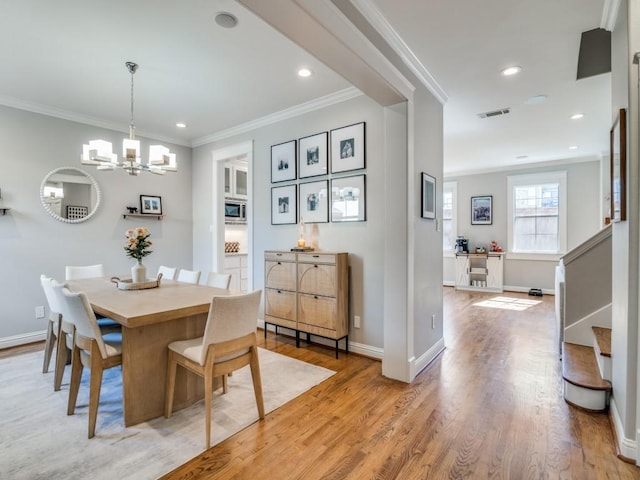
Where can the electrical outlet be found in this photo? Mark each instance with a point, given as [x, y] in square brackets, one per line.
[356, 321]
[40, 312]
[433, 321]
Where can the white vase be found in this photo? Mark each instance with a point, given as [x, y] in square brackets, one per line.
[139, 272]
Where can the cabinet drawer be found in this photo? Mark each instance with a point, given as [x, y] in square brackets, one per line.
[280, 303]
[316, 310]
[280, 256]
[231, 261]
[317, 279]
[280, 275]
[317, 258]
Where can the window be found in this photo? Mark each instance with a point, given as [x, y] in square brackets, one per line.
[449, 215]
[537, 213]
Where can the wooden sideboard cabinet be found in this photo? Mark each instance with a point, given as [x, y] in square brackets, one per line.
[308, 292]
[480, 271]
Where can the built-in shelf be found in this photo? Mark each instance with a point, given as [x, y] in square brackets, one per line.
[4, 210]
[143, 215]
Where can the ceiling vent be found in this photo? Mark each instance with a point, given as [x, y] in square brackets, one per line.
[495, 113]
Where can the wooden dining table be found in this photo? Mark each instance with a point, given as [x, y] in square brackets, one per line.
[151, 319]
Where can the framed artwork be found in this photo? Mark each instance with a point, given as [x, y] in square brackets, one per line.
[348, 199]
[618, 161]
[428, 196]
[150, 204]
[348, 148]
[314, 201]
[283, 162]
[312, 155]
[482, 210]
[283, 205]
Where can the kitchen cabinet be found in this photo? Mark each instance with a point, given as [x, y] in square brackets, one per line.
[236, 266]
[235, 181]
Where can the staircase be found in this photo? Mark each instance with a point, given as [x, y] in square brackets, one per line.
[586, 372]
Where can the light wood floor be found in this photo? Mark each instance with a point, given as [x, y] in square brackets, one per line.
[489, 407]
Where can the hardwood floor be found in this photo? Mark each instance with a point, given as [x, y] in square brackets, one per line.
[490, 406]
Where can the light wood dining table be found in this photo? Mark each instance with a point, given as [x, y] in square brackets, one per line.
[151, 319]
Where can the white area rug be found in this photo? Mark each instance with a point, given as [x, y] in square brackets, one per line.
[39, 441]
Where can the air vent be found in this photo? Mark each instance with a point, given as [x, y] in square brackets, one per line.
[495, 113]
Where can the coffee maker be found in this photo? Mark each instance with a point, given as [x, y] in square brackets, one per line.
[462, 244]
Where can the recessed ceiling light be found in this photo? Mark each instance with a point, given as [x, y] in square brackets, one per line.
[226, 19]
[573, 147]
[181, 125]
[304, 72]
[511, 71]
[536, 99]
[577, 116]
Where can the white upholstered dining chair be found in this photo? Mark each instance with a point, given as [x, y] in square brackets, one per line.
[84, 271]
[188, 276]
[91, 349]
[219, 280]
[53, 323]
[168, 273]
[229, 343]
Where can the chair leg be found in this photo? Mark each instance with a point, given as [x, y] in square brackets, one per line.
[48, 347]
[225, 384]
[208, 394]
[95, 384]
[257, 381]
[62, 354]
[74, 385]
[170, 384]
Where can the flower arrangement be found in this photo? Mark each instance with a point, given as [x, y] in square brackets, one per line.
[137, 243]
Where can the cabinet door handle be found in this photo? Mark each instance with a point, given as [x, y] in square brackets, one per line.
[279, 291]
[316, 256]
[315, 296]
[315, 266]
[279, 263]
[278, 254]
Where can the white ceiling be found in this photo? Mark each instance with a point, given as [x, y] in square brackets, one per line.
[66, 58]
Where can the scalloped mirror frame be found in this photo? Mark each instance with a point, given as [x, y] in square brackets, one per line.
[55, 215]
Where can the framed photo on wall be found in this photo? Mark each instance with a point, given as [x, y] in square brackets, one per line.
[618, 161]
[348, 148]
[314, 201]
[482, 210]
[312, 155]
[283, 162]
[150, 204]
[348, 199]
[428, 196]
[283, 205]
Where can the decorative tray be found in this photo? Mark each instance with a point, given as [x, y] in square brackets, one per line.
[127, 283]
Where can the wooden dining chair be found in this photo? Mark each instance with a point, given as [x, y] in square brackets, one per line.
[228, 343]
[53, 323]
[168, 273]
[91, 349]
[84, 271]
[188, 276]
[219, 280]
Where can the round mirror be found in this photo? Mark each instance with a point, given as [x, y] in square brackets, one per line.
[69, 194]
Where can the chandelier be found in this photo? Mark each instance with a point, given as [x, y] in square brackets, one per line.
[100, 152]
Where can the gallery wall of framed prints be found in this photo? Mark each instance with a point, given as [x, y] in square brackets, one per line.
[324, 176]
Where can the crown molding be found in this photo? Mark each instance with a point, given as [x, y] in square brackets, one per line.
[295, 111]
[85, 119]
[384, 28]
[609, 14]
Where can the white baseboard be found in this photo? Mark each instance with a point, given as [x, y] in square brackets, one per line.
[580, 332]
[360, 348]
[426, 358]
[511, 288]
[449, 283]
[23, 339]
[627, 447]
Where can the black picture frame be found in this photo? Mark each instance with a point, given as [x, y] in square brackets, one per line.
[313, 200]
[312, 155]
[284, 205]
[348, 148]
[150, 204]
[482, 210]
[618, 165]
[428, 196]
[283, 161]
[348, 199]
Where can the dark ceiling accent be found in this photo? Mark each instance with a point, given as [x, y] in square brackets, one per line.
[595, 53]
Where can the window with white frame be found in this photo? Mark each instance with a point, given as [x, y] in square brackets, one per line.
[537, 213]
[449, 215]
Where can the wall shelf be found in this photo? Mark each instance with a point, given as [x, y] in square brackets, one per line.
[143, 215]
[4, 210]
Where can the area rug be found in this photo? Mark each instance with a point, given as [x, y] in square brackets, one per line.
[39, 441]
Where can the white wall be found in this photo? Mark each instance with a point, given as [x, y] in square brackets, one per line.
[583, 217]
[32, 242]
